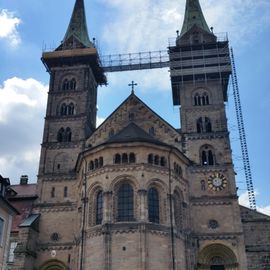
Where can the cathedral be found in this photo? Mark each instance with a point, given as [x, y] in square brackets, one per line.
[136, 193]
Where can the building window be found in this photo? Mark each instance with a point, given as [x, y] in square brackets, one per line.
[1, 230]
[153, 205]
[178, 211]
[125, 203]
[64, 135]
[53, 192]
[69, 84]
[65, 192]
[117, 159]
[150, 159]
[100, 161]
[201, 99]
[132, 158]
[65, 85]
[157, 160]
[124, 158]
[11, 252]
[207, 156]
[99, 207]
[177, 169]
[204, 125]
[162, 161]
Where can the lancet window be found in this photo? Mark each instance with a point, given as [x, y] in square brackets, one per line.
[125, 203]
[207, 156]
[204, 125]
[153, 205]
[64, 135]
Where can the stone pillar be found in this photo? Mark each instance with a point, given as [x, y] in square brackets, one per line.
[107, 206]
[143, 208]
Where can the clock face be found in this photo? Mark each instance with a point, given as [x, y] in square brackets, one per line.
[217, 182]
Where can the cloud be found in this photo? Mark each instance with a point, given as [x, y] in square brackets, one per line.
[243, 200]
[8, 29]
[146, 25]
[22, 108]
[100, 120]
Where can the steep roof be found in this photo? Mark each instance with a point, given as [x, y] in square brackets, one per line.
[133, 118]
[77, 26]
[194, 16]
[133, 133]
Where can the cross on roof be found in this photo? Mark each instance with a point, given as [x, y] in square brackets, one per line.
[132, 84]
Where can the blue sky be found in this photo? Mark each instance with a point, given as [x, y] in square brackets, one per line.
[120, 26]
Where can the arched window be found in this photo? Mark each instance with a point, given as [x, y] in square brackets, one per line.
[65, 85]
[96, 163]
[207, 156]
[91, 165]
[72, 84]
[178, 210]
[70, 109]
[150, 159]
[156, 160]
[65, 192]
[197, 99]
[99, 207]
[117, 159]
[125, 203]
[132, 158]
[201, 99]
[124, 158]
[200, 125]
[208, 125]
[163, 161]
[204, 125]
[101, 162]
[68, 135]
[153, 205]
[53, 192]
[61, 135]
[205, 98]
[63, 109]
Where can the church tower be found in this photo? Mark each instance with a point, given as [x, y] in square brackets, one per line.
[75, 74]
[200, 68]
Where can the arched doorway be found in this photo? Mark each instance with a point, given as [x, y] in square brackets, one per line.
[217, 257]
[53, 265]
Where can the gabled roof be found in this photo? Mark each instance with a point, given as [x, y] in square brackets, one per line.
[133, 133]
[145, 118]
[194, 16]
[77, 26]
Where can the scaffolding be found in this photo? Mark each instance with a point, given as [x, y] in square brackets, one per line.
[242, 134]
[192, 63]
[135, 61]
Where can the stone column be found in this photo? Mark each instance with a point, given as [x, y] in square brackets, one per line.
[107, 207]
[143, 208]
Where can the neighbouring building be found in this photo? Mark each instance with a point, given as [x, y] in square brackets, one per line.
[7, 213]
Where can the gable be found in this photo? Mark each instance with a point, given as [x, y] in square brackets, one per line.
[133, 110]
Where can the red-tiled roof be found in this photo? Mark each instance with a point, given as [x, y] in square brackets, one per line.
[29, 190]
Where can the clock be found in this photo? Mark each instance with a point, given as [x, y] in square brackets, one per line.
[217, 182]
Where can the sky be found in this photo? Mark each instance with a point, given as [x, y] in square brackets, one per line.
[29, 27]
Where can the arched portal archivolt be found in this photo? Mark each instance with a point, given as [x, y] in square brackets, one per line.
[53, 265]
[216, 255]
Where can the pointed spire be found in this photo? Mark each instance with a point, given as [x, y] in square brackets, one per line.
[78, 26]
[194, 16]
